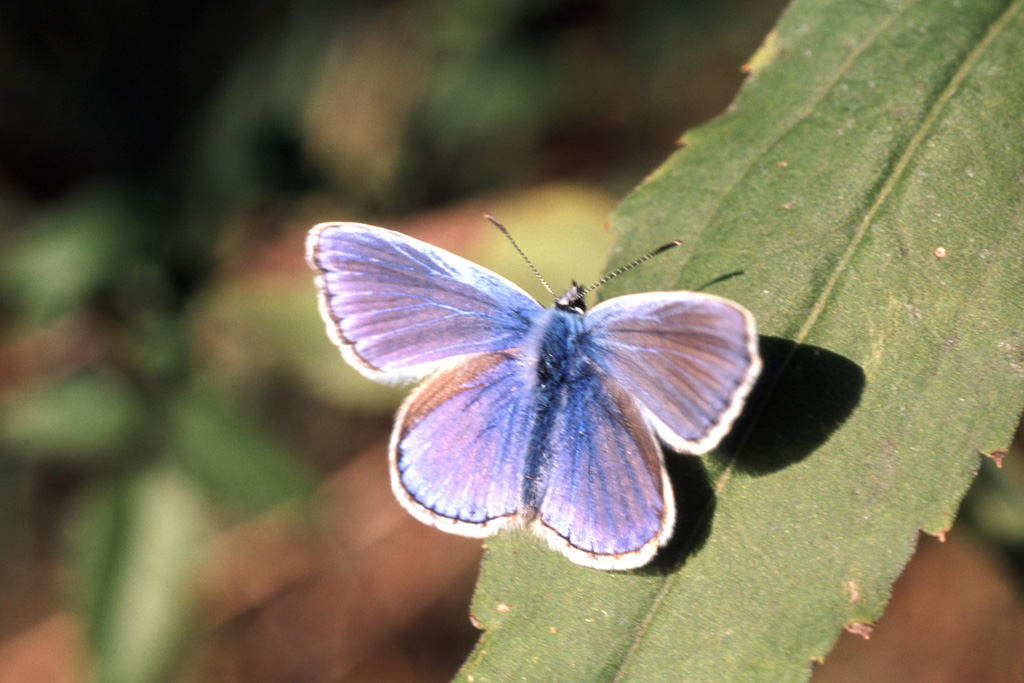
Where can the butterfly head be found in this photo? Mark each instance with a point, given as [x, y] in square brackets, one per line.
[572, 299]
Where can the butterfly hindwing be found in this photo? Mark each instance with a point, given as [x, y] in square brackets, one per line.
[460, 446]
[607, 498]
[689, 358]
[398, 307]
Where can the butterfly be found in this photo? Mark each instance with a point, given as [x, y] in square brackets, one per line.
[526, 416]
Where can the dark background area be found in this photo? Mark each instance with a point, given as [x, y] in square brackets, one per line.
[159, 166]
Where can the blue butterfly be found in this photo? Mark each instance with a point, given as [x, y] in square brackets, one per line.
[547, 418]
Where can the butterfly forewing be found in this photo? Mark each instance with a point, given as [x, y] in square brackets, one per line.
[690, 359]
[398, 307]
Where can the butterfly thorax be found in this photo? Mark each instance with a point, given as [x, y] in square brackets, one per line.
[553, 350]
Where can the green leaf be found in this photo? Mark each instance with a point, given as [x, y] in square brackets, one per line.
[269, 322]
[15, 503]
[231, 454]
[72, 251]
[87, 417]
[868, 136]
[136, 545]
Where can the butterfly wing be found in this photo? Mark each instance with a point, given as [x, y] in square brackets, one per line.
[398, 307]
[689, 358]
[607, 499]
[460, 446]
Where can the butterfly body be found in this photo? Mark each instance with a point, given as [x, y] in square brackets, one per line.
[555, 366]
[526, 416]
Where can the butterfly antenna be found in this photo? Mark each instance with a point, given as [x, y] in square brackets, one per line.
[634, 264]
[507, 234]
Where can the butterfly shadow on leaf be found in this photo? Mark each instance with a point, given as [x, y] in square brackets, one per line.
[695, 507]
[803, 395]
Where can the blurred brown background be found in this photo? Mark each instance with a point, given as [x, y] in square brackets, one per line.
[193, 485]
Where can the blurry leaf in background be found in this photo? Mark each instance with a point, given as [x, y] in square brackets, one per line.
[253, 327]
[15, 482]
[359, 112]
[230, 453]
[72, 251]
[249, 146]
[87, 418]
[136, 543]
